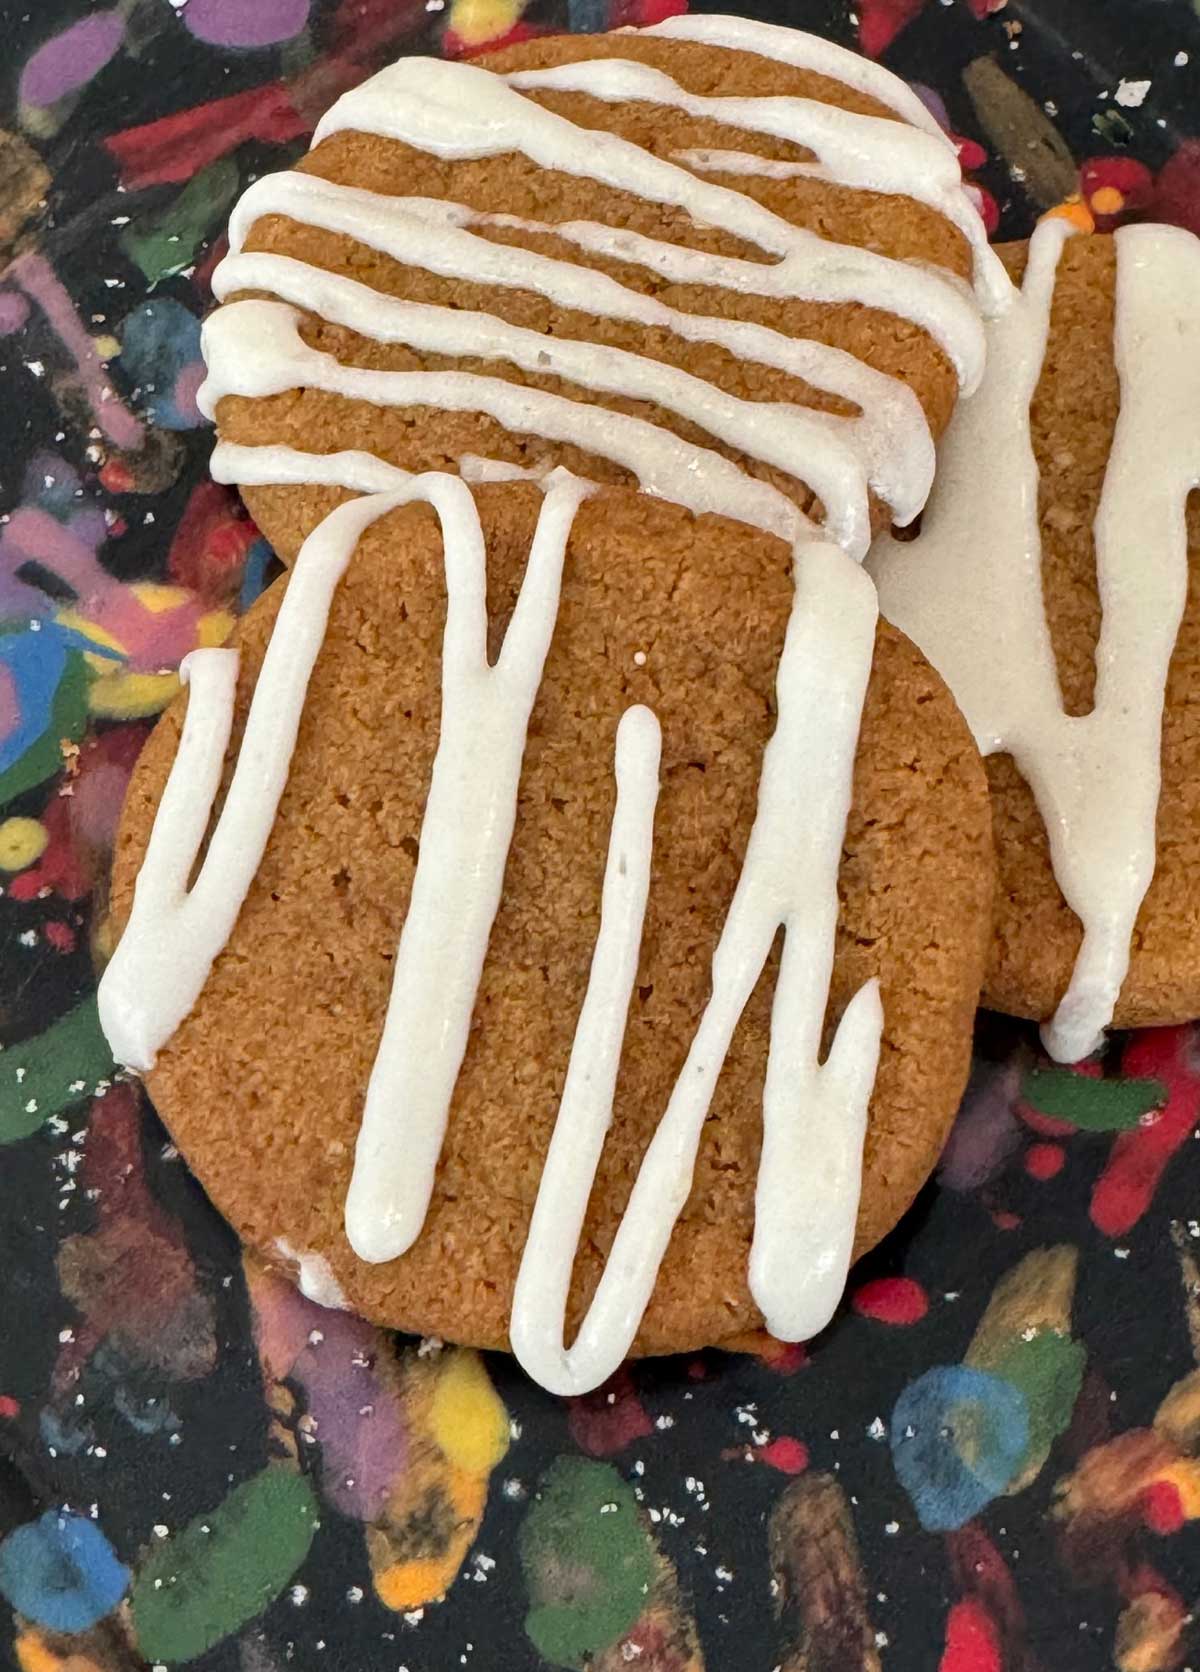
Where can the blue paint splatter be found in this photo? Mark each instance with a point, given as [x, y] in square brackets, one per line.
[160, 350]
[61, 1572]
[958, 1437]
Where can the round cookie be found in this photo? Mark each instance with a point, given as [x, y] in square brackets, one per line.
[1037, 937]
[537, 202]
[262, 1086]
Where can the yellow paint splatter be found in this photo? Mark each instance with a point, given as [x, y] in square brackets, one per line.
[130, 696]
[213, 629]
[1107, 200]
[106, 347]
[1075, 211]
[466, 1417]
[34, 1654]
[21, 842]
[476, 22]
[457, 1433]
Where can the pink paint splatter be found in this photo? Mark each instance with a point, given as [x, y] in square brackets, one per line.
[39, 281]
[232, 23]
[891, 1300]
[1139, 1157]
[68, 60]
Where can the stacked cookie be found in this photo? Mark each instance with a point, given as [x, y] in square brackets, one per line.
[588, 945]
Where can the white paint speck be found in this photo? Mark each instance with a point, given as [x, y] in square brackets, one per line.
[1132, 93]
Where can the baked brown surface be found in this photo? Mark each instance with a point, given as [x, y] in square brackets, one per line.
[262, 1086]
[424, 438]
[1037, 936]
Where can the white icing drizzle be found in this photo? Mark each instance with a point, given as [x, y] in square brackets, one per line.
[803, 52]
[968, 590]
[255, 348]
[465, 836]
[814, 1115]
[174, 932]
[777, 434]
[314, 1277]
[458, 111]
[887, 446]
[868, 153]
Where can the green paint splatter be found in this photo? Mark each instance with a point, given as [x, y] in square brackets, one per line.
[1112, 128]
[588, 1561]
[68, 719]
[224, 1568]
[1092, 1105]
[1048, 1369]
[41, 1077]
[167, 242]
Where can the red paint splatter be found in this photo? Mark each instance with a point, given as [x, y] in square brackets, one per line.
[9, 1407]
[697, 1370]
[1005, 1220]
[1177, 189]
[60, 935]
[1139, 1157]
[1162, 1507]
[1133, 180]
[116, 476]
[167, 1325]
[1044, 1161]
[178, 146]
[972, 1641]
[210, 544]
[891, 1300]
[788, 1455]
[980, 1571]
[880, 21]
[640, 14]
[454, 46]
[783, 1357]
[61, 868]
[610, 1419]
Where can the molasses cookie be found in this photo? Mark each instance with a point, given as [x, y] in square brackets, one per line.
[586, 794]
[1056, 584]
[708, 251]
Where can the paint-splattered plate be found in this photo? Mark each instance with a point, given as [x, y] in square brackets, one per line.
[199, 1468]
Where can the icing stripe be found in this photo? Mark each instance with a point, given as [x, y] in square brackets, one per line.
[866, 153]
[458, 112]
[891, 435]
[814, 1117]
[803, 52]
[254, 349]
[465, 836]
[775, 433]
[174, 933]
[968, 591]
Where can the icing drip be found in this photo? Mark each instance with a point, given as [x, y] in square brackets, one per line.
[803, 52]
[868, 153]
[464, 842]
[174, 933]
[887, 446]
[314, 1277]
[814, 1117]
[459, 111]
[255, 348]
[969, 592]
